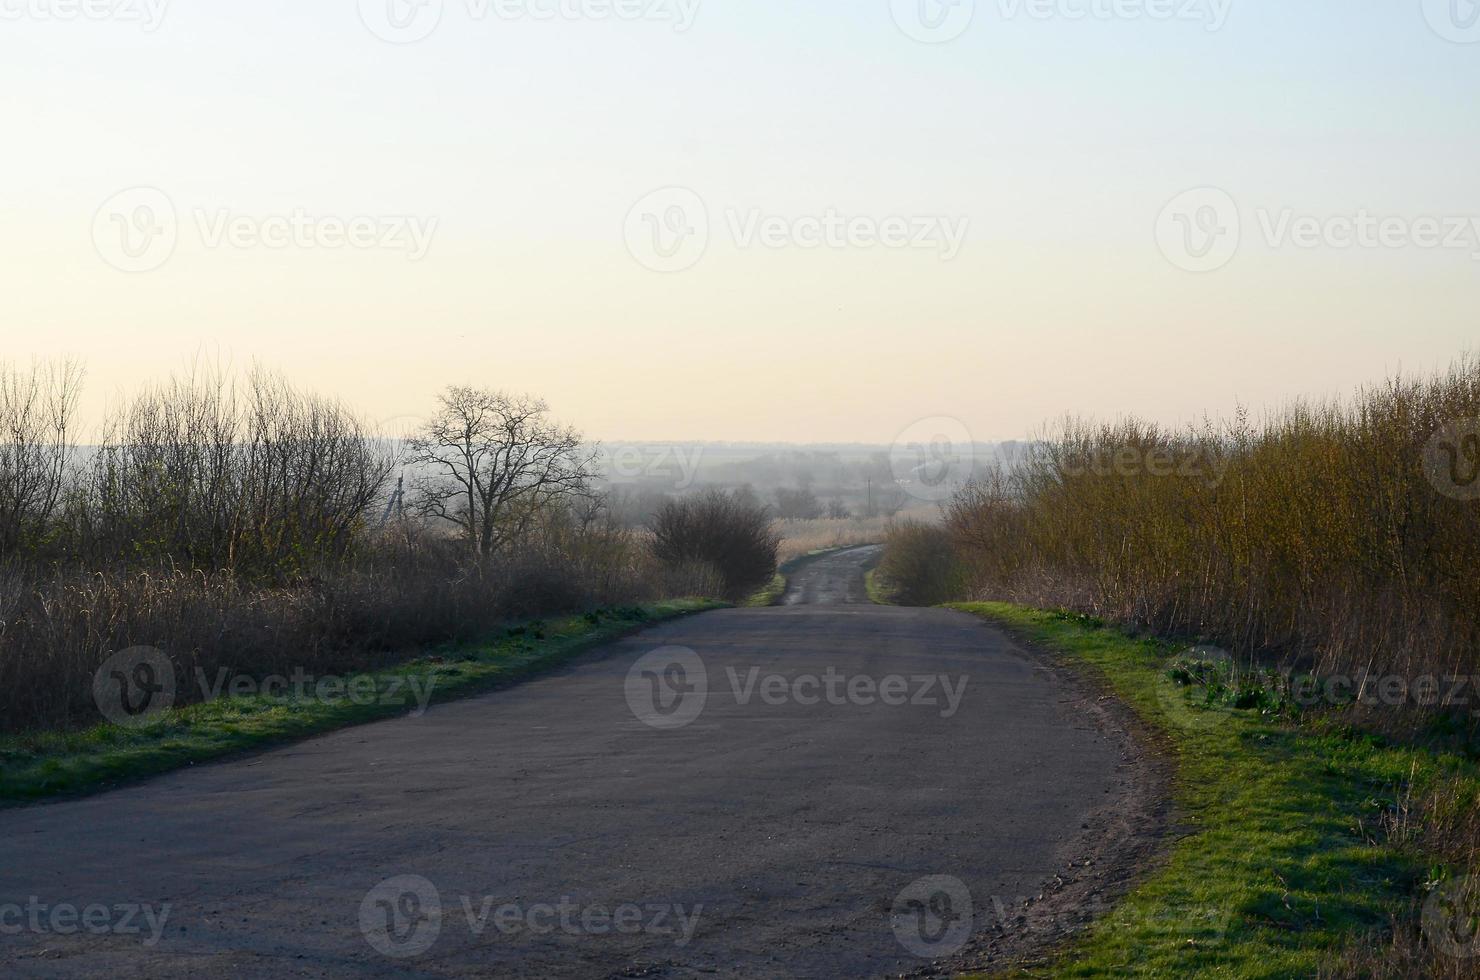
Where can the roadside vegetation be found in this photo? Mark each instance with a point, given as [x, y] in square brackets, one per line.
[1318, 576]
[1299, 853]
[248, 529]
[49, 764]
[802, 538]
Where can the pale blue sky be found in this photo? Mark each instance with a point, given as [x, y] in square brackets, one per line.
[1059, 141]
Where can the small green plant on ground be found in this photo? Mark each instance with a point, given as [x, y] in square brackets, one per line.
[51, 764]
[881, 591]
[1290, 848]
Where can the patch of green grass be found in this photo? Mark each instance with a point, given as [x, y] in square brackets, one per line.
[1277, 861]
[767, 594]
[40, 766]
[881, 592]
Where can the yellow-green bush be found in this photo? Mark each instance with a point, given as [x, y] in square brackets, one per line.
[1330, 533]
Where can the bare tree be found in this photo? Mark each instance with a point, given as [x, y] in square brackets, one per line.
[494, 462]
[36, 409]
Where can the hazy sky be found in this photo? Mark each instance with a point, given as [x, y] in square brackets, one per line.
[1031, 151]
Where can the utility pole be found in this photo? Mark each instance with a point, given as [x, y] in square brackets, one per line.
[396, 505]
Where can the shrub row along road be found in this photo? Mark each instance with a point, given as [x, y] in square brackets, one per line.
[781, 815]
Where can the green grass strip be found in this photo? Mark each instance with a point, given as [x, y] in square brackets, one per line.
[1275, 861]
[54, 764]
[881, 592]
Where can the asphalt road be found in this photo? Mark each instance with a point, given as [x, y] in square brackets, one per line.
[788, 817]
[832, 580]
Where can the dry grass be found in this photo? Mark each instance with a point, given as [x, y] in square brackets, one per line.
[1317, 536]
[58, 627]
[799, 538]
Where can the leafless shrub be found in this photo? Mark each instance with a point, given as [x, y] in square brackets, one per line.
[36, 441]
[723, 530]
[205, 472]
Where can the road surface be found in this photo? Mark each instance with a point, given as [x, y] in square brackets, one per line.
[799, 822]
[832, 580]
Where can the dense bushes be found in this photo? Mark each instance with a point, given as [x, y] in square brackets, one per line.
[262, 480]
[726, 531]
[238, 523]
[920, 566]
[1344, 537]
[241, 523]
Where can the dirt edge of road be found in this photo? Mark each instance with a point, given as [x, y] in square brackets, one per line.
[1124, 842]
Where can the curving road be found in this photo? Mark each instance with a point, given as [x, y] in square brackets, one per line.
[832, 580]
[829, 801]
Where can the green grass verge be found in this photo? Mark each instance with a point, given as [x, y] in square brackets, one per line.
[881, 592]
[768, 594]
[40, 766]
[1281, 865]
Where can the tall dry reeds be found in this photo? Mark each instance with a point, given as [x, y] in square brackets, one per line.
[1343, 536]
[58, 625]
